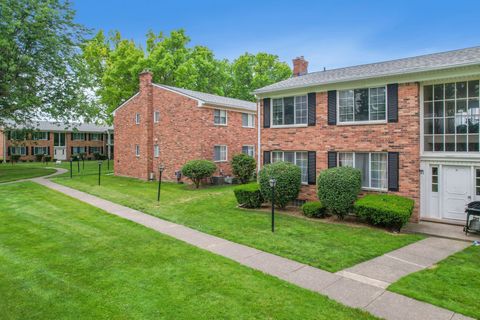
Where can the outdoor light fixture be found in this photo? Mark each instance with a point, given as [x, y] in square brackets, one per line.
[273, 183]
[99, 170]
[161, 168]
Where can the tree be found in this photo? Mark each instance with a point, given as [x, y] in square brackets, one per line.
[40, 69]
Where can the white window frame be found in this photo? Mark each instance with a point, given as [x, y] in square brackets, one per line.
[95, 150]
[156, 116]
[43, 138]
[250, 116]
[252, 148]
[137, 118]
[137, 150]
[98, 136]
[282, 152]
[36, 148]
[362, 121]
[295, 124]
[21, 148]
[369, 168]
[75, 136]
[226, 153]
[156, 150]
[226, 117]
[76, 150]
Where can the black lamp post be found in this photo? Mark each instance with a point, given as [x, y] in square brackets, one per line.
[160, 171]
[99, 170]
[71, 167]
[273, 183]
[78, 164]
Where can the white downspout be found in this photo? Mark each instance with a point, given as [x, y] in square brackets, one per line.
[258, 137]
[108, 145]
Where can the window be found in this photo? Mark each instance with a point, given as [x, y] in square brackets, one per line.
[373, 167]
[95, 150]
[17, 135]
[137, 118]
[435, 179]
[78, 150]
[296, 157]
[156, 116]
[451, 117]
[248, 150]
[96, 136]
[156, 151]
[40, 135]
[220, 153]
[477, 182]
[220, 117]
[40, 150]
[78, 136]
[360, 105]
[59, 139]
[18, 150]
[137, 150]
[248, 120]
[289, 111]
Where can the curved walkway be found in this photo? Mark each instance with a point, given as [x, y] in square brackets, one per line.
[58, 172]
[362, 286]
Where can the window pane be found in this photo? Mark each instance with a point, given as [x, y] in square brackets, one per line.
[428, 126]
[450, 91]
[438, 143]
[449, 125]
[473, 124]
[461, 143]
[301, 110]
[377, 104]
[361, 105]
[217, 155]
[302, 162]
[473, 142]
[449, 108]
[473, 89]
[289, 157]
[428, 109]
[438, 126]
[277, 111]
[345, 105]
[379, 170]
[450, 142]
[438, 109]
[345, 159]
[277, 156]
[438, 92]
[289, 110]
[428, 143]
[361, 163]
[244, 120]
[428, 93]
[461, 90]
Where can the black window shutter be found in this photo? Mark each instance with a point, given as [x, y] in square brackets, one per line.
[312, 167]
[71, 151]
[9, 150]
[48, 150]
[89, 150]
[26, 151]
[312, 103]
[8, 135]
[393, 166]
[266, 112]
[266, 157]
[32, 151]
[332, 107]
[332, 159]
[102, 150]
[48, 135]
[392, 104]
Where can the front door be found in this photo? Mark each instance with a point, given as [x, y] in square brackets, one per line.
[457, 191]
[59, 153]
[59, 146]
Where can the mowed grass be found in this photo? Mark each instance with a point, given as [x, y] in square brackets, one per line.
[214, 210]
[453, 283]
[63, 259]
[9, 172]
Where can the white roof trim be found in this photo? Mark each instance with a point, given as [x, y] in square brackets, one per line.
[125, 102]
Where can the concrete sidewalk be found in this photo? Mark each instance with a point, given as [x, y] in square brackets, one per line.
[366, 294]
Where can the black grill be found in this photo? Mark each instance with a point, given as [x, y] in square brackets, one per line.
[472, 210]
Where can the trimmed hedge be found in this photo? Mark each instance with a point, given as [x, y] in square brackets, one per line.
[385, 210]
[314, 209]
[197, 170]
[338, 188]
[249, 195]
[289, 180]
[243, 167]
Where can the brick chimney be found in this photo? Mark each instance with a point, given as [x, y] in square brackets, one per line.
[145, 78]
[300, 66]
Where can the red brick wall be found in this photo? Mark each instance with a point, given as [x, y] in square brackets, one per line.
[2, 141]
[185, 132]
[402, 137]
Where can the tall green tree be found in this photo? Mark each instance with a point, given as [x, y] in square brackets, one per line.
[40, 69]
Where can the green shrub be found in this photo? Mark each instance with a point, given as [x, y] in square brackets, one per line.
[38, 157]
[288, 178]
[97, 156]
[243, 167]
[15, 157]
[338, 188]
[313, 209]
[385, 210]
[249, 195]
[197, 170]
[47, 158]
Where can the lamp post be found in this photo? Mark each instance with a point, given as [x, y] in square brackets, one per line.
[71, 167]
[273, 183]
[160, 171]
[99, 170]
[78, 164]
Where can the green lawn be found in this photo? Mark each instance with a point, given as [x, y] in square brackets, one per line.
[213, 210]
[10, 172]
[454, 283]
[63, 259]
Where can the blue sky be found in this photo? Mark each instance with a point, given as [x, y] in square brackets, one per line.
[328, 33]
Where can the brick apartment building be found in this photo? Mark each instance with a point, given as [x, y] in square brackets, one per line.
[167, 125]
[58, 140]
[410, 125]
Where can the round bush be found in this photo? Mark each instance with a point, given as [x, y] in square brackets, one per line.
[288, 185]
[338, 188]
[249, 195]
[243, 167]
[313, 209]
[197, 170]
[38, 157]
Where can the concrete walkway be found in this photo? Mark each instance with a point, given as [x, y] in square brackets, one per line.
[443, 230]
[364, 293]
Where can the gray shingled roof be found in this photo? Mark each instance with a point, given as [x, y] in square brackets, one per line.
[429, 62]
[214, 99]
[59, 126]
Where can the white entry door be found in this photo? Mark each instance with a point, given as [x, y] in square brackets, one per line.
[59, 153]
[457, 191]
